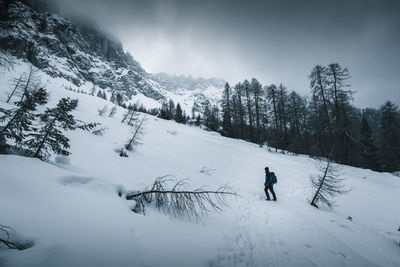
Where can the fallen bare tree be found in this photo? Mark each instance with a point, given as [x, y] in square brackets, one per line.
[6, 241]
[179, 200]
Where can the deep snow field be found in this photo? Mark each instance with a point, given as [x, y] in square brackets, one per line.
[74, 216]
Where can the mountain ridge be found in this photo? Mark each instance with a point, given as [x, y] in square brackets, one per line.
[82, 54]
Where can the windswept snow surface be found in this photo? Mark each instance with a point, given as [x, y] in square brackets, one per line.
[74, 216]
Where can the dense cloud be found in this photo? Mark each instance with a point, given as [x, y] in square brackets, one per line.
[275, 41]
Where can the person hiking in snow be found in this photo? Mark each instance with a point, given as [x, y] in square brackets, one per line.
[270, 180]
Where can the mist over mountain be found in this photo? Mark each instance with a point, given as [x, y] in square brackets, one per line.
[80, 53]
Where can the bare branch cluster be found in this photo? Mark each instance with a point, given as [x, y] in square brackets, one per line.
[112, 111]
[138, 131]
[328, 183]
[208, 171]
[7, 61]
[179, 200]
[102, 111]
[26, 82]
[130, 117]
[7, 231]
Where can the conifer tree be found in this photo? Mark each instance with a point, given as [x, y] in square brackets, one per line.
[249, 104]
[390, 138]
[19, 120]
[226, 111]
[179, 118]
[164, 111]
[368, 149]
[171, 109]
[256, 90]
[50, 135]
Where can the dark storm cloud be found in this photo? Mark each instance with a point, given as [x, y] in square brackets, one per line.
[275, 41]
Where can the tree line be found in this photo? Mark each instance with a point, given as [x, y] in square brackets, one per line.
[315, 125]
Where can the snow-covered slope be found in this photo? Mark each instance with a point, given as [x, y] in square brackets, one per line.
[85, 57]
[74, 216]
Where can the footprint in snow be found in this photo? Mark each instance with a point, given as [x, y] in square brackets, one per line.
[68, 180]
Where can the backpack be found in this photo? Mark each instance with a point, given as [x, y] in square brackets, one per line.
[273, 178]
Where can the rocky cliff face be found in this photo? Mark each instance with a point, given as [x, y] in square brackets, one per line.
[83, 54]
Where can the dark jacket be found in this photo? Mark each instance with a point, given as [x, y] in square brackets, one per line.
[268, 180]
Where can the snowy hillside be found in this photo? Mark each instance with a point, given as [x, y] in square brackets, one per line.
[71, 211]
[86, 57]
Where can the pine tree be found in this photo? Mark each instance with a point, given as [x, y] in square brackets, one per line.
[256, 89]
[19, 120]
[164, 111]
[249, 104]
[319, 89]
[50, 135]
[119, 99]
[178, 114]
[100, 94]
[390, 138]
[240, 111]
[282, 102]
[198, 120]
[272, 99]
[368, 149]
[226, 111]
[171, 109]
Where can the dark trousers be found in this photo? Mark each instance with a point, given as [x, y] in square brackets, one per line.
[270, 188]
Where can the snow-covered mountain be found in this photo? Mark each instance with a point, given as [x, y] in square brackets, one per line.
[85, 56]
[71, 211]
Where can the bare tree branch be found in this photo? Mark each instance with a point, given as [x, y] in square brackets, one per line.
[6, 231]
[328, 183]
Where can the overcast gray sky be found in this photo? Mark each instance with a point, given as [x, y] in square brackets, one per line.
[274, 41]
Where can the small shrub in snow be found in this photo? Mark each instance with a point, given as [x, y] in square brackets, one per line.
[99, 131]
[122, 153]
[112, 112]
[172, 132]
[208, 171]
[102, 111]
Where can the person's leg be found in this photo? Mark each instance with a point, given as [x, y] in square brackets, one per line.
[266, 193]
[271, 188]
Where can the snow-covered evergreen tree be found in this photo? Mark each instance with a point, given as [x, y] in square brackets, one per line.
[19, 120]
[50, 136]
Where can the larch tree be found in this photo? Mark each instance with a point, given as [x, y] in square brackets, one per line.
[226, 111]
[256, 89]
[390, 138]
[368, 149]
